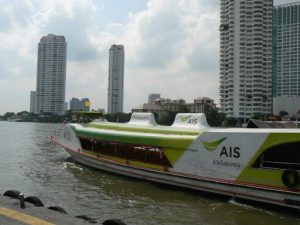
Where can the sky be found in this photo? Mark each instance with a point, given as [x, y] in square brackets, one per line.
[171, 48]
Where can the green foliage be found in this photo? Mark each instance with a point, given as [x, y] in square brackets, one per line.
[258, 116]
[166, 119]
[230, 122]
[8, 115]
[25, 116]
[23, 113]
[283, 113]
[68, 115]
[183, 109]
[118, 117]
[213, 117]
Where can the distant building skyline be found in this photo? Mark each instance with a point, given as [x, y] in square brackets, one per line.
[152, 97]
[80, 105]
[163, 105]
[245, 57]
[199, 105]
[51, 74]
[115, 79]
[286, 58]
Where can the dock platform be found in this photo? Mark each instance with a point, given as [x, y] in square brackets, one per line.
[13, 212]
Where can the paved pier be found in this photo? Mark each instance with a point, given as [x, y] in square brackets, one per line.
[11, 213]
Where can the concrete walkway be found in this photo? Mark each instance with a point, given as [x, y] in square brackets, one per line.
[11, 213]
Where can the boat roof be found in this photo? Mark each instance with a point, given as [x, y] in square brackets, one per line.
[184, 124]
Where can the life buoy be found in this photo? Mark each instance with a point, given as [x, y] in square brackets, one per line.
[290, 178]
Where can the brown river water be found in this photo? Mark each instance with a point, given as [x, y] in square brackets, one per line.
[31, 164]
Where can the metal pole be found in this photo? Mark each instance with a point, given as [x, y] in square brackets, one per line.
[22, 202]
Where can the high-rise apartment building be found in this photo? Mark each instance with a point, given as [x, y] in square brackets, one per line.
[80, 105]
[32, 101]
[152, 97]
[115, 79]
[246, 57]
[51, 74]
[75, 104]
[286, 58]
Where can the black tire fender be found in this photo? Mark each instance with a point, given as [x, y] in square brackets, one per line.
[34, 200]
[58, 209]
[12, 193]
[86, 218]
[113, 222]
[290, 178]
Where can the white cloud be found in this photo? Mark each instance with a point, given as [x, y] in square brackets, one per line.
[172, 51]
[171, 47]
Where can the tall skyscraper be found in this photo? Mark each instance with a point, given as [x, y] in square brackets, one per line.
[32, 101]
[51, 74]
[246, 57]
[286, 58]
[115, 79]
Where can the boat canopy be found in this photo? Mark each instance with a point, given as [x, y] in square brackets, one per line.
[190, 120]
[143, 119]
[144, 123]
[182, 120]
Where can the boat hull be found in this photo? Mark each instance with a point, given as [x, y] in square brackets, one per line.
[231, 189]
[256, 164]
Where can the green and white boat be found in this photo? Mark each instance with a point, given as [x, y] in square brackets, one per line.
[257, 164]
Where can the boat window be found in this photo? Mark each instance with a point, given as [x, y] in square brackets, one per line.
[284, 156]
[141, 153]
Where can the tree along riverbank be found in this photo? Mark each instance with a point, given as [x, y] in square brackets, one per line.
[214, 118]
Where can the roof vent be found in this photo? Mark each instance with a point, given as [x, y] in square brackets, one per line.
[142, 119]
[190, 120]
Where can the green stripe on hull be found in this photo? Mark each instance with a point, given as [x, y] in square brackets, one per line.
[155, 130]
[165, 142]
[264, 177]
[173, 154]
[173, 145]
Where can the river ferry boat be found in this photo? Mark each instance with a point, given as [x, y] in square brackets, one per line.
[257, 164]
